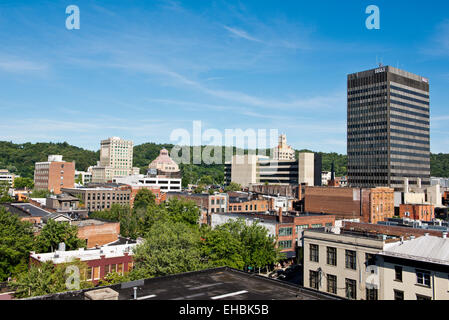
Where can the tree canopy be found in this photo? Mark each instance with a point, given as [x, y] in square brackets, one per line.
[53, 233]
[16, 242]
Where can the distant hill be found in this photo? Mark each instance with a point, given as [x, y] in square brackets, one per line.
[20, 159]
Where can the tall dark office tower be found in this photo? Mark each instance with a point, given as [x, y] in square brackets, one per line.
[388, 128]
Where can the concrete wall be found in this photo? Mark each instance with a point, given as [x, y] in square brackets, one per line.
[439, 289]
[342, 243]
[244, 170]
[306, 168]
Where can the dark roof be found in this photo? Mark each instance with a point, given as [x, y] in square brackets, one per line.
[206, 285]
[31, 209]
[14, 210]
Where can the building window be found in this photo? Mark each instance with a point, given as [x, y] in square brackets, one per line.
[89, 274]
[285, 232]
[371, 294]
[420, 297]
[351, 259]
[332, 284]
[314, 279]
[398, 295]
[423, 278]
[398, 273]
[331, 256]
[314, 253]
[370, 259]
[301, 227]
[351, 286]
[317, 225]
[285, 244]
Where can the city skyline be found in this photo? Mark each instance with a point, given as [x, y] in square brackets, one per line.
[144, 70]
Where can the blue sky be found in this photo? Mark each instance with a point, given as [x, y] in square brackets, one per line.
[141, 69]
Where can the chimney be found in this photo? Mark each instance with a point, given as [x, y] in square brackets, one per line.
[280, 215]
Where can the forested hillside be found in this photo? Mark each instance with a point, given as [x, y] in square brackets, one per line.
[20, 159]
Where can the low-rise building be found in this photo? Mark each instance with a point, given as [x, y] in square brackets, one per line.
[97, 232]
[415, 269]
[165, 184]
[424, 212]
[86, 177]
[101, 197]
[342, 264]
[7, 177]
[54, 174]
[367, 204]
[100, 262]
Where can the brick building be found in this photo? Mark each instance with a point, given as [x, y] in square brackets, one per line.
[101, 197]
[423, 212]
[97, 232]
[54, 174]
[100, 262]
[369, 205]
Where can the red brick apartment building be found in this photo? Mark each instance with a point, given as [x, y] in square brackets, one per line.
[54, 174]
[423, 212]
[370, 205]
[100, 262]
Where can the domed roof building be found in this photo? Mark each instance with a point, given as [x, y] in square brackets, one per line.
[164, 163]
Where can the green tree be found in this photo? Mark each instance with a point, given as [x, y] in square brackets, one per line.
[79, 179]
[199, 189]
[47, 278]
[233, 187]
[168, 248]
[53, 233]
[222, 248]
[40, 194]
[144, 198]
[183, 211]
[4, 195]
[22, 183]
[16, 242]
[207, 180]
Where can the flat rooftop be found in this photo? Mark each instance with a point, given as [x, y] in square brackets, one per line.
[211, 284]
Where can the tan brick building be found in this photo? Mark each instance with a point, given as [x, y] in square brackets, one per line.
[97, 232]
[367, 204]
[54, 174]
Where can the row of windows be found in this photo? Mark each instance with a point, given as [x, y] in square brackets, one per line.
[368, 96]
[409, 91]
[404, 104]
[408, 98]
[107, 196]
[410, 154]
[408, 133]
[365, 81]
[331, 257]
[426, 122]
[409, 126]
[412, 113]
[410, 161]
[376, 88]
[350, 286]
[425, 142]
